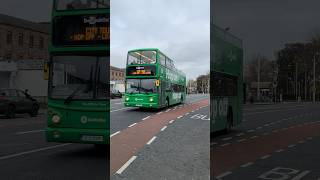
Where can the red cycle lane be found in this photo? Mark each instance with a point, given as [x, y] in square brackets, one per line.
[226, 158]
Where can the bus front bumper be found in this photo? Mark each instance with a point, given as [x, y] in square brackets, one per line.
[142, 105]
[71, 135]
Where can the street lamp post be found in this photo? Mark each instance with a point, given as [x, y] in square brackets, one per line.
[314, 78]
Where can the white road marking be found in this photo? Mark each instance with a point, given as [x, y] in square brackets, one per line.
[241, 140]
[223, 175]
[259, 127]
[246, 165]
[226, 139]
[168, 110]
[254, 137]
[265, 157]
[213, 143]
[121, 109]
[132, 124]
[145, 118]
[171, 121]
[301, 175]
[159, 112]
[280, 150]
[226, 144]
[179, 117]
[124, 167]
[33, 151]
[291, 146]
[240, 134]
[151, 140]
[251, 130]
[186, 113]
[163, 128]
[115, 133]
[28, 132]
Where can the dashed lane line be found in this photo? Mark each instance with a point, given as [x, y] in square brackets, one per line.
[163, 128]
[247, 164]
[151, 140]
[132, 125]
[124, 167]
[28, 132]
[33, 151]
[223, 174]
[115, 133]
[145, 118]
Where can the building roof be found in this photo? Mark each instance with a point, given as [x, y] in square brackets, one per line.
[117, 69]
[17, 22]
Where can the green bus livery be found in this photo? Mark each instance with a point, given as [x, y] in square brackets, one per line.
[226, 96]
[78, 72]
[152, 81]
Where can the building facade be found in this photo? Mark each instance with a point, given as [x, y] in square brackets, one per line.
[23, 51]
[117, 74]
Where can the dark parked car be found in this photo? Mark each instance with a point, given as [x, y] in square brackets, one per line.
[115, 94]
[14, 101]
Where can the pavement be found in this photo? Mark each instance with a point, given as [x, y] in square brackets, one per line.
[275, 142]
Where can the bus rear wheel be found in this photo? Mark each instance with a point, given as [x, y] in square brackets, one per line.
[167, 103]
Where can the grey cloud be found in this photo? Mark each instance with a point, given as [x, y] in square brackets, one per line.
[180, 30]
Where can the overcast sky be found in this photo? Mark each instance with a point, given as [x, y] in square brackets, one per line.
[265, 25]
[180, 29]
[33, 10]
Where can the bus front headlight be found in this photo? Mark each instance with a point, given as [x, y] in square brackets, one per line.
[127, 98]
[151, 99]
[56, 119]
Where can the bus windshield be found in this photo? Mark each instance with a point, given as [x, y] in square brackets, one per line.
[141, 86]
[82, 77]
[142, 57]
[81, 4]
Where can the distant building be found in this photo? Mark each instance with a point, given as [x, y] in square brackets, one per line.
[117, 74]
[23, 50]
[192, 87]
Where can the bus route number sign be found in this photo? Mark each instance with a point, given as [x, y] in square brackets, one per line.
[141, 71]
[81, 30]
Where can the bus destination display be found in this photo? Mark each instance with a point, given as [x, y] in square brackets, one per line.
[81, 30]
[141, 71]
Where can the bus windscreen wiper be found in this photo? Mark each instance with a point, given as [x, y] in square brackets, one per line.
[71, 96]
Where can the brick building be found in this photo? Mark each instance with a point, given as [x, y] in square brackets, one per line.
[117, 74]
[23, 50]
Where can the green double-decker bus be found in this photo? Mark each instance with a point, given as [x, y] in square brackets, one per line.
[226, 79]
[152, 81]
[78, 88]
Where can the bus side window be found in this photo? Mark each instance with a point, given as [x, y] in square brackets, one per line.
[162, 59]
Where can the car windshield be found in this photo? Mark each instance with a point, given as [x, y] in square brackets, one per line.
[142, 57]
[83, 77]
[141, 86]
[81, 4]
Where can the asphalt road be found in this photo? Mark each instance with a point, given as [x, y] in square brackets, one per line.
[275, 142]
[25, 155]
[164, 144]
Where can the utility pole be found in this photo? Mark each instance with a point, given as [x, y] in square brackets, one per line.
[296, 82]
[314, 79]
[305, 83]
[258, 88]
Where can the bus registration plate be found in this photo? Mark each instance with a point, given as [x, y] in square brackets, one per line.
[92, 138]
